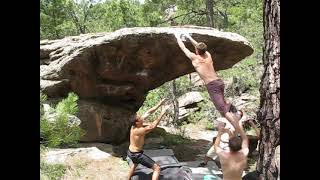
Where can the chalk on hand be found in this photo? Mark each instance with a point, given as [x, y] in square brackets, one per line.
[183, 37]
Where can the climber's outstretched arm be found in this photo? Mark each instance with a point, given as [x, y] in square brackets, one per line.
[186, 51]
[153, 109]
[194, 43]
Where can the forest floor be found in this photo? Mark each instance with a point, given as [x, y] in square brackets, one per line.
[115, 168]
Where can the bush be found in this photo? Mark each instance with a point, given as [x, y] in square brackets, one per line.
[52, 172]
[209, 125]
[43, 98]
[60, 132]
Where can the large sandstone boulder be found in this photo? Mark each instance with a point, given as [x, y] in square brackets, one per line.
[118, 69]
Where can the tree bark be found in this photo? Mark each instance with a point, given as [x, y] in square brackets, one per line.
[269, 113]
[209, 7]
[175, 102]
[225, 18]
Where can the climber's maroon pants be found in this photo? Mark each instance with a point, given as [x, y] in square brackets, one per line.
[216, 92]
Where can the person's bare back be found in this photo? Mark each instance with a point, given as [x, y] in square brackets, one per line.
[234, 160]
[232, 164]
[203, 64]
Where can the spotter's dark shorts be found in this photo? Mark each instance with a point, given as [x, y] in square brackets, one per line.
[140, 158]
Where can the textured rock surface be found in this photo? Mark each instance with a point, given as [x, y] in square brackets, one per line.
[61, 156]
[119, 68]
[104, 123]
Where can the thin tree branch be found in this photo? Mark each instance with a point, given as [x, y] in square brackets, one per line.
[192, 11]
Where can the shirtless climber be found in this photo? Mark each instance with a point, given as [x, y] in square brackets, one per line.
[203, 64]
[234, 160]
[137, 136]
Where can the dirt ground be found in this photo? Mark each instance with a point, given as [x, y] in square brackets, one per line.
[115, 168]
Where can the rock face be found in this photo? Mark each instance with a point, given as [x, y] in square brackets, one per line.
[61, 156]
[118, 69]
[104, 123]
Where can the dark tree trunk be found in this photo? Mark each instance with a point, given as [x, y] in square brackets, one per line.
[175, 102]
[55, 25]
[225, 18]
[209, 7]
[269, 113]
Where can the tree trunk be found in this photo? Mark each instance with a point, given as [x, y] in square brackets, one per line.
[175, 102]
[269, 113]
[225, 18]
[55, 24]
[209, 7]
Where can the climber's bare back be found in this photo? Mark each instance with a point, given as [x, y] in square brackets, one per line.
[232, 164]
[204, 66]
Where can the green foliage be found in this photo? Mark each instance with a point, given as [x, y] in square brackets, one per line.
[52, 172]
[52, 15]
[123, 13]
[43, 149]
[43, 98]
[60, 132]
[49, 171]
[164, 91]
[68, 105]
[153, 97]
[209, 125]
[152, 14]
[246, 19]
[59, 18]
[183, 85]
[244, 76]
[207, 110]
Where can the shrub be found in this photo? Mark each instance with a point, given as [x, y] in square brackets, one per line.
[60, 132]
[52, 172]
